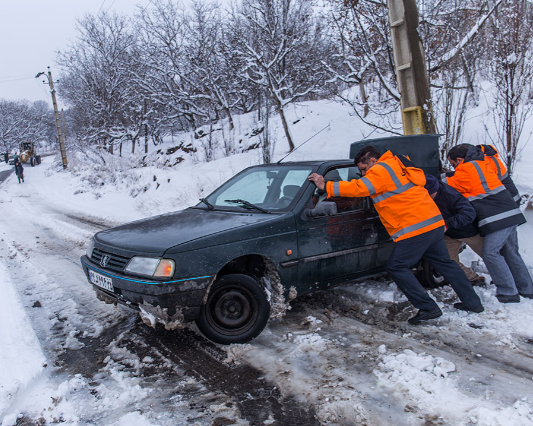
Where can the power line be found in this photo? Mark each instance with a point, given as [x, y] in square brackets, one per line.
[112, 3]
[9, 79]
[41, 86]
[102, 5]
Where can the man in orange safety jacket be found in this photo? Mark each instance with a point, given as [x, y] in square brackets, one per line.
[414, 222]
[492, 155]
[498, 217]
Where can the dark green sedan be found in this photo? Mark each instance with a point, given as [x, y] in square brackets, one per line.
[237, 258]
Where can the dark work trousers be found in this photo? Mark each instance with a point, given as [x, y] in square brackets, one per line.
[431, 247]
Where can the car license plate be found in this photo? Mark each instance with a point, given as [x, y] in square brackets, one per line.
[101, 280]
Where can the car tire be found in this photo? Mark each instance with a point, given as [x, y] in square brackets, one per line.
[32, 161]
[38, 159]
[236, 310]
[429, 277]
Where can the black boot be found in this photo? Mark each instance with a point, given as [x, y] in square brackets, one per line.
[502, 298]
[463, 307]
[422, 315]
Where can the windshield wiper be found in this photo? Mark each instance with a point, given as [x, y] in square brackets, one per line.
[207, 203]
[248, 205]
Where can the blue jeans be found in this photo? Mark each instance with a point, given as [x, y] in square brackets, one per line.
[431, 247]
[504, 263]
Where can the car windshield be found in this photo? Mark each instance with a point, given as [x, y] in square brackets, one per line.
[261, 188]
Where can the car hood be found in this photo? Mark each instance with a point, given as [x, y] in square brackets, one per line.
[155, 235]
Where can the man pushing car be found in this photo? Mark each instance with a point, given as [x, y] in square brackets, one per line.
[413, 221]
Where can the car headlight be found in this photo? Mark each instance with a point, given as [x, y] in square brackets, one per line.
[90, 248]
[153, 267]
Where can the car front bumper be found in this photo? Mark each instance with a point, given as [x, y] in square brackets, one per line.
[170, 302]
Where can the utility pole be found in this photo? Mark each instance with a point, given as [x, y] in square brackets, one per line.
[63, 126]
[56, 113]
[411, 70]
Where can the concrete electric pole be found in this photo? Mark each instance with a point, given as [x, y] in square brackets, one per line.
[411, 70]
[56, 113]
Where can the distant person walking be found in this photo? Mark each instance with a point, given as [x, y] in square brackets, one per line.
[19, 170]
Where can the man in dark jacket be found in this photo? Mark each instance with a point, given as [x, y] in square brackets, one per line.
[498, 217]
[460, 220]
[19, 170]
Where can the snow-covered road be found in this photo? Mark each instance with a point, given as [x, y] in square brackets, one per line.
[73, 366]
[342, 357]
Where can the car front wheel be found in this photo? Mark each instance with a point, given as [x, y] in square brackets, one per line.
[236, 310]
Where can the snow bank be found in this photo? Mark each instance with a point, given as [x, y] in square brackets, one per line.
[21, 357]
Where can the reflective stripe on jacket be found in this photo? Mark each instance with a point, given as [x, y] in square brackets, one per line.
[404, 206]
[492, 156]
[477, 179]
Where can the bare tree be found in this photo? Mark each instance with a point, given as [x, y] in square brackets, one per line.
[210, 72]
[95, 79]
[451, 31]
[448, 30]
[169, 79]
[283, 49]
[364, 58]
[510, 69]
[21, 121]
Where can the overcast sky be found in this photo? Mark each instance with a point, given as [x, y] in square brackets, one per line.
[32, 31]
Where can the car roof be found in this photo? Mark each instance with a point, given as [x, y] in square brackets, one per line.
[315, 163]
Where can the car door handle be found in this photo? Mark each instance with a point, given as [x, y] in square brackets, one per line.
[369, 228]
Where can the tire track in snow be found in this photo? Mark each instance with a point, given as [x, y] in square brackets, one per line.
[258, 400]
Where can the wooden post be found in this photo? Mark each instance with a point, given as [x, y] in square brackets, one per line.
[58, 123]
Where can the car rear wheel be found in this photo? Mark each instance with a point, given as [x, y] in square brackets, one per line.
[236, 310]
[429, 277]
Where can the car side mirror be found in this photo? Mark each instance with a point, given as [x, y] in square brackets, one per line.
[324, 208]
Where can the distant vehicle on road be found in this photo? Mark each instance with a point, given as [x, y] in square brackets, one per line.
[28, 153]
[12, 159]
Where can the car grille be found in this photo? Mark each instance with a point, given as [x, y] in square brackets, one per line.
[116, 262]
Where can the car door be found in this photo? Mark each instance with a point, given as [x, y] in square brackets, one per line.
[340, 247]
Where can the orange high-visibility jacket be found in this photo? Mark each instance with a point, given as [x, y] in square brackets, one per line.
[477, 180]
[404, 206]
[492, 156]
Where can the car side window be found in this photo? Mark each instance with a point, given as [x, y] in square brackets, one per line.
[344, 204]
[272, 188]
[290, 186]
